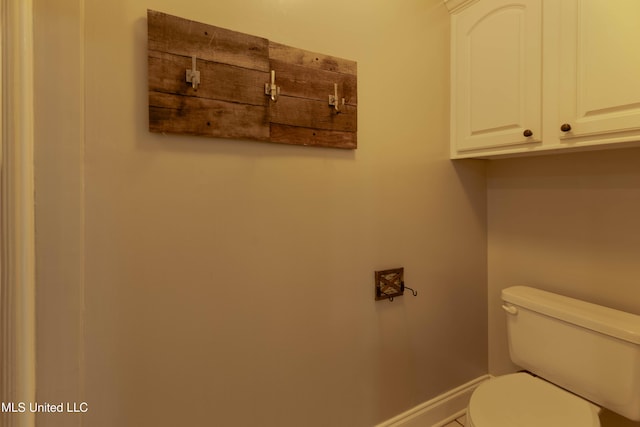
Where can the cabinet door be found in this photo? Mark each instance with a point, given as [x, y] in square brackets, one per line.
[599, 94]
[496, 75]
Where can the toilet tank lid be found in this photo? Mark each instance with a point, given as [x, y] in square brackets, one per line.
[616, 323]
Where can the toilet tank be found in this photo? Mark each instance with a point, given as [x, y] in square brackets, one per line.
[590, 350]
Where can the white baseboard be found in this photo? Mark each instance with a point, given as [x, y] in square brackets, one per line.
[438, 411]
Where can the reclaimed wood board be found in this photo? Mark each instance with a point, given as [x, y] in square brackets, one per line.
[230, 100]
[181, 36]
[190, 115]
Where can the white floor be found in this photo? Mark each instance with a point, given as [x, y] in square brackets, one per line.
[458, 422]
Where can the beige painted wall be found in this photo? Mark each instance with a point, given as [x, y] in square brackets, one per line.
[59, 211]
[224, 282]
[568, 224]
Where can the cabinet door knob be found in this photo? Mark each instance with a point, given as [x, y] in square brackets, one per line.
[565, 127]
[527, 133]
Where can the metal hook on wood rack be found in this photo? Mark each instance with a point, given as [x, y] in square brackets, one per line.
[272, 89]
[193, 75]
[334, 101]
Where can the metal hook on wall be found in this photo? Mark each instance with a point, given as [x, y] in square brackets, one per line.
[272, 89]
[193, 75]
[402, 288]
[415, 293]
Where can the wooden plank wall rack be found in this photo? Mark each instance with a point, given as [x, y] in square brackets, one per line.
[210, 81]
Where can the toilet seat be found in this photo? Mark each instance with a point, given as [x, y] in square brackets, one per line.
[522, 400]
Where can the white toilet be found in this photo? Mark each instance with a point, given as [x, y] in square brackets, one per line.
[578, 353]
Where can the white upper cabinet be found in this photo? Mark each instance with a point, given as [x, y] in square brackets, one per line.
[531, 76]
[600, 68]
[496, 75]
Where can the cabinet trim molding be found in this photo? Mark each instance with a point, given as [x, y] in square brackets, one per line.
[17, 211]
[456, 5]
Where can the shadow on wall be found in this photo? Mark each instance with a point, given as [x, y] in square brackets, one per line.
[472, 175]
[610, 419]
